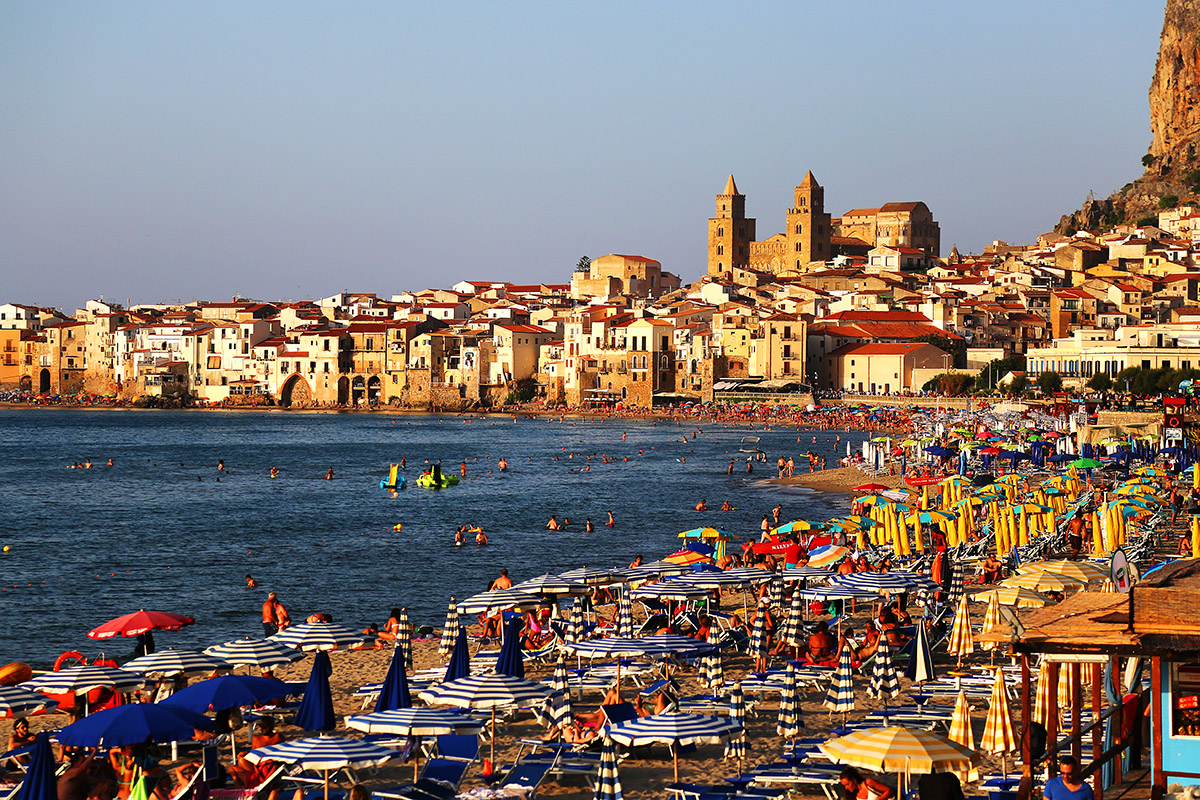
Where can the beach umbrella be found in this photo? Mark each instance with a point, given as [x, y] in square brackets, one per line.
[140, 622]
[575, 625]
[40, 782]
[227, 691]
[991, 621]
[871, 487]
[460, 659]
[957, 582]
[324, 753]
[487, 692]
[736, 746]
[793, 628]
[788, 723]
[591, 576]
[1011, 596]
[1041, 700]
[960, 723]
[316, 707]
[1086, 463]
[675, 729]
[751, 575]
[394, 692]
[899, 750]
[1044, 581]
[497, 600]
[418, 721]
[920, 666]
[998, 734]
[757, 647]
[1084, 571]
[655, 570]
[261, 653]
[169, 663]
[840, 698]
[16, 701]
[84, 678]
[806, 573]
[624, 617]
[961, 642]
[449, 631]
[608, 780]
[553, 586]
[713, 673]
[678, 589]
[885, 684]
[837, 592]
[714, 579]
[881, 582]
[310, 636]
[510, 660]
[134, 723]
[404, 638]
[827, 556]
[559, 702]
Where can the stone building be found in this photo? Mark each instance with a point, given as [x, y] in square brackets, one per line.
[616, 275]
[730, 232]
[893, 225]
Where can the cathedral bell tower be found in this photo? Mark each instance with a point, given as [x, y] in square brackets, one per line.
[729, 232]
[808, 226]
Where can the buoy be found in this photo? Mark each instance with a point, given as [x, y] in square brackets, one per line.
[7, 548]
[398, 526]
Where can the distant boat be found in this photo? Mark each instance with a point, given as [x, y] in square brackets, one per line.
[753, 442]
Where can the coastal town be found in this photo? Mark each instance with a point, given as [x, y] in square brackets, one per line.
[864, 303]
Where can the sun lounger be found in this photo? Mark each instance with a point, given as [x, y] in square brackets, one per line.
[616, 713]
[247, 793]
[527, 775]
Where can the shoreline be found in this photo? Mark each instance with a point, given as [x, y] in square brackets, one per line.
[839, 480]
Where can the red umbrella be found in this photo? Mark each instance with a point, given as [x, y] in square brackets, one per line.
[140, 622]
[871, 487]
[990, 451]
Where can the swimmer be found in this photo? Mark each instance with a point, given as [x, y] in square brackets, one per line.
[481, 539]
[702, 505]
[460, 537]
[502, 464]
[553, 523]
[274, 472]
[250, 582]
[726, 507]
[220, 465]
[110, 463]
[588, 527]
[87, 464]
[329, 474]
[611, 522]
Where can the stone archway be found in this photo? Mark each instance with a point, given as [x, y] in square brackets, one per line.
[374, 388]
[295, 392]
[44, 382]
[343, 390]
[358, 390]
[25, 383]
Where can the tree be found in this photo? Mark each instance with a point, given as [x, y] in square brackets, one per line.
[1016, 387]
[584, 264]
[1147, 160]
[1050, 382]
[991, 375]
[1100, 382]
[1168, 201]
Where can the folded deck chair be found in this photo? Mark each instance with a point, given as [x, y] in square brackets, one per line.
[616, 713]
[527, 775]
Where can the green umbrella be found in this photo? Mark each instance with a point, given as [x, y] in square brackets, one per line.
[1086, 463]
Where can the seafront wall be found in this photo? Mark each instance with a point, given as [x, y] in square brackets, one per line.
[957, 403]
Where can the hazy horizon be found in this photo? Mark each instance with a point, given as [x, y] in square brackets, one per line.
[291, 150]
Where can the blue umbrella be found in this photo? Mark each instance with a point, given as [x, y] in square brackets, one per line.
[510, 662]
[394, 693]
[316, 709]
[227, 691]
[134, 723]
[460, 658]
[40, 782]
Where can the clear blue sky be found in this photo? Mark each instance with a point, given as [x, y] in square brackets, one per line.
[162, 151]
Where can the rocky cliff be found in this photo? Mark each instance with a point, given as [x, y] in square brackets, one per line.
[1172, 166]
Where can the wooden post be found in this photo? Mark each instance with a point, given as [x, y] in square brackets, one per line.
[1158, 790]
[1026, 784]
[1052, 723]
[1076, 710]
[1097, 741]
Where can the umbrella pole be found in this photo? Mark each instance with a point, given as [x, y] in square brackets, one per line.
[326, 784]
[493, 737]
[675, 761]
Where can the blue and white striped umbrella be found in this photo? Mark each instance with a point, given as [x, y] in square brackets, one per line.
[486, 691]
[624, 616]
[840, 698]
[168, 663]
[652, 646]
[675, 729]
[793, 628]
[85, 678]
[324, 753]
[882, 582]
[608, 780]
[885, 684]
[16, 701]
[713, 672]
[920, 665]
[788, 724]
[775, 593]
[498, 600]
[757, 648]
[678, 589]
[654, 570]
[311, 636]
[553, 585]
[836, 592]
[415, 722]
[449, 631]
[807, 573]
[404, 638]
[592, 576]
[559, 703]
[957, 581]
[752, 575]
[736, 746]
[260, 653]
[715, 580]
[575, 632]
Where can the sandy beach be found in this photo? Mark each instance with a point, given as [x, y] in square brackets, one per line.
[840, 479]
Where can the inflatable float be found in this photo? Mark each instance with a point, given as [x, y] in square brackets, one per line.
[394, 480]
[427, 480]
[14, 673]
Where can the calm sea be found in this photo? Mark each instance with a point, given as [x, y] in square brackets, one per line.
[157, 530]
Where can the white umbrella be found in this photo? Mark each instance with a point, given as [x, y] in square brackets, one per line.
[261, 653]
[324, 753]
[311, 636]
[674, 729]
[168, 663]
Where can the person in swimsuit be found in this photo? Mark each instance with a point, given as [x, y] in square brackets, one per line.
[856, 787]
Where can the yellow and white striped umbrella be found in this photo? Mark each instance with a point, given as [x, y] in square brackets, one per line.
[960, 723]
[1012, 596]
[1080, 570]
[1041, 700]
[962, 643]
[899, 750]
[992, 620]
[998, 736]
[1043, 581]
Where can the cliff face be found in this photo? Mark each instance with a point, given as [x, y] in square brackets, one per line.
[1175, 89]
[1174, 157]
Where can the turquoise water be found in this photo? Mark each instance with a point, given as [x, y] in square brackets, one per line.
[90, 545]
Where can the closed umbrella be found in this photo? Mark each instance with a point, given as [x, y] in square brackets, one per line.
[736, 746]
[674, 729]
[324, 753]
[608, 780]
[316, 708]
[559, 702]
[1041, 700]
[510, 660]
[757, 648]
[712, 670]
[487, 692]
[793, 628]
[40, 782]
[311, 636]
[449, 631]
[460, 659]
[624, 616]
[960, 723]
[885, 684]
[16, 701]
[957, 582]
[998, 734]
[404, 638]
[134, 723]
[394, 692]
[961, 642]
[261, 653]
[575, 631]
[788, 723]
[991, 622]
[840, 698]
[169, 663]
[920, 665]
